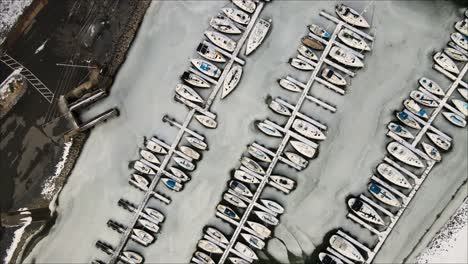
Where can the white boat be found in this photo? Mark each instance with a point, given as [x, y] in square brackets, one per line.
[446, 62]
[308, 130]
[221, 40]
[307, 52]
[462, 26]
[257, 35]
[351, 16]
[303, 148]
[269, 130]
[237, 15]
[139, 180]
[142, 237]
[353, 40]
[346, 248]
[296, 159]
[326, 258]
[246, 5]
[261, 230]
[206, 121]
[240, 188]
[455, 119]
[206, 67]
[312, 43]
[198, 143]
[171, 184]
[383, 195]
[227, 212]
[190, 152]
[131, 257]
[224, 24]
[194, 80]
[209, 246]
[431, 151]
[408, 120]
[288, 85]
[149, 156]
[455, 54]
[188, 93]
[254, 241]
[149, 225]
[273, 206]
[279, 108]
[344, 57]
[439, 141]
[180, 174]
[393, 175]
[258, 154]
[209, 53]
[404, 154]
[414, 108]
[300, 64]
[155, 147]
[234, 200]
[461, 105]
[232, 80]
[460, 40]
[245, 177]
[267, 218]
[423, 99]
[184, 163]
[333, 77]
[236, 260]
[284, 182]
[218, 235]
[431, 86]
[252, 165]
[319, 31]
[154, 214]
[141, 167]
[204, 258]
[400, 130]
[245, 251]
[463, 92]
[365, 211]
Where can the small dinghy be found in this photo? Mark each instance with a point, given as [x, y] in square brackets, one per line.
[400, 130]
[462, 26]
[353, 40]
[288, 85]
[365, 211]
[209, 247]
[312, 43]
[303, 148]
[261, 230]
[245, 177]
[236, 260]
[383, 195]
[206, 121]
[284, 182]
[345, 58]
[221, 40]
[237, 15]
[232, 80]
[431, 151]
[460, 40]
[180, 174]
[267, 218]
[190, 152]
[240, 188]
[333, 77]
[142, 237]
[258, 154]
[194, 80]
[455, 54]
[234, 200]
[141, 167]
[246, 5]
[273, 206]
[300, 64]
[319, 31]
[154, 214]
[351, 16]
[204, 258]
[405, 155]
[218, 235]
[463, 92]
[408, 120]
[269, 130]
[393, 175]
[414, 108]
[171, 184]
[245, 251]
[454, 119]
[224, 24]
[198, 143]
[227, 212]
[439, 141]
[257, 35]
[308, 130]
[423, 99]
[346, 248]
[279, 108]
[155, 147]
[184, 163]
[149, 156]
[254, 241]
[188, 93]
[296, 159]
[209, 53]
[326, 258]
[252, 165]
[206, 67]
[445, 62]
[139, 180]
[150, 226]
[431, 86]
[461, 105]
[307, 52]
[131, 257]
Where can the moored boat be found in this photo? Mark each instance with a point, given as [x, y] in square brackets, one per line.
[462, 26]
[455, 54]
[307, 52]
[232, 80]
[224, 24]
[206, 121]
[303, 148]
[204, 258]
[431, 151]
[312, 43]
[188, 93]
[237, 15]
[365, 211]
[431, 86]
[261, 230]
[155, 147]
[300, 64]
[319, 31]
[288, 85]
[455, 119]
[273, 206]
[408, 120]
[439, 141]
[240, 188]
[209, 246]
[154, 214]
[351, 16]
[190, 152]
[353, 40]
[393, 175]
[227, 212]
[258, 154]
[283, 181]
[149, 156]
[400, 130]
[383, 195]
[132, 257]
[463, 92]
[267, 218]
[446, 62]
[308, 130]
[344, 57]
[142, 237]
[153, 227]
[236, 260]
[206, 67]
[184, 163]
[216, 234]
[171, 184]
[234, 200]
[209, 53]
[139, 181]
[253, 241]
[141, 167]
[245, 177]
[221, 40]
[257, 35]
[296, 159]
[180, 174]
[403, 154]
[252, 165]
[460, 40]
[461, 105]
[415, 108]
[423, 99]
[326, 258]
[279, 108]
[198, 143]
[345, 248]
[194, 80]
[245, 251]
[269, 130]
[333, 77]
[246, 5]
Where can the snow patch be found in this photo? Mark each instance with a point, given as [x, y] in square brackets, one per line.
[11, 11]
[17, 238]
[41, 47]
[48, 189]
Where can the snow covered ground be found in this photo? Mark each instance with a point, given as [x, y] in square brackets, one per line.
[407, 35]
[10, 11]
